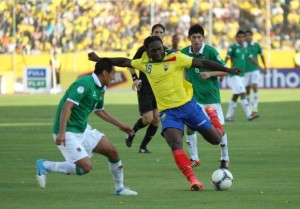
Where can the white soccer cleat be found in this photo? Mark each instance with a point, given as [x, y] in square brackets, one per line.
[41, 180]
[125, 192]
[41, 173]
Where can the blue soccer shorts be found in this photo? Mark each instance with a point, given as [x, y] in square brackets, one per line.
[190, 114]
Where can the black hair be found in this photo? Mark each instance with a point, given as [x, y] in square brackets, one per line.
[158, 26]
[239, 33]
[103, 64]
[151, 39]
[196, 29]
[249, 31]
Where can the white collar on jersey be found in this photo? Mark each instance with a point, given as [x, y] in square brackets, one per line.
[237, 44]
[96, 80]
[246, 43]
[252, 43]
[200, 51]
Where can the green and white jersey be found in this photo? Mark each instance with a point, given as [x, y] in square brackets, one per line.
[206, 91]
[255, 49]
[88, 95]
[239, 55]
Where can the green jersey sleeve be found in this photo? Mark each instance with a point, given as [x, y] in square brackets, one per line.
[77, 92]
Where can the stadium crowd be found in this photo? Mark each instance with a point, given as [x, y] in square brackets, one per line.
[120, 25]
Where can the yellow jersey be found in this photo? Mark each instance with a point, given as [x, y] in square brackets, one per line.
[166, 78]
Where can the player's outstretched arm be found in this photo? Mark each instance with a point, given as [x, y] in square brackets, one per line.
[136, 81]
[214, 66]
[206, 75]
[116, 61]
[109, 118]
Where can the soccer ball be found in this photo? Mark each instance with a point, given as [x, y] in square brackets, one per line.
[221, 179]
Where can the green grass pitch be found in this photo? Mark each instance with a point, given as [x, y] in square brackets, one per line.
[264, 154]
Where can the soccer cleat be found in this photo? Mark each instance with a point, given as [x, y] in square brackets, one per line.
[41, 173]
[255, 113]
[194, 163]
[224, 164]
[229, 119]
[144, 150]
[129, 140]
[211, 111]
[196, 186]
[252, 116]
[125, 192]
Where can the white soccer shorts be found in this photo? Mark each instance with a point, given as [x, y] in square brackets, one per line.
[80, 145]
[252, 78]
[237, 84]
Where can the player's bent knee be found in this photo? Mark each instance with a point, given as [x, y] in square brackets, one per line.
[147, 121]
[81, 171]
[113, 155]
[215, 141]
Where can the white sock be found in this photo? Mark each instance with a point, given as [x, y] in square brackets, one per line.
[246, 107]
[248, 97]
[250, 100]
[224, 148]
[255, 101]
[191, 141]
[231, 108]
[117, 174]
[60, 167]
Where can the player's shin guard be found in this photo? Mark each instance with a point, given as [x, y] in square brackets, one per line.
[191, 140]
[184, 164]
[224, 148]
[246, 107]
[231, 109]
[63, 167]
[116, 169]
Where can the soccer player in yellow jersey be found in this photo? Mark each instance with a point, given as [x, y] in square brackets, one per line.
[174, 96]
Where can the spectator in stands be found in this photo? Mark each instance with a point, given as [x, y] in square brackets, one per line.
[175, 42]
[78, 25]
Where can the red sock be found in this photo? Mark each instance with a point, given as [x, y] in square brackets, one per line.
[184, 164]
[215, 121]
